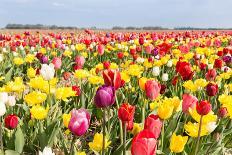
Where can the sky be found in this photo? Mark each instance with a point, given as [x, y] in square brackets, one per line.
[109, 13]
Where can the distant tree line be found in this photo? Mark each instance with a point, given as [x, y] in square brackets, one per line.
[36, 26]
[40, 26]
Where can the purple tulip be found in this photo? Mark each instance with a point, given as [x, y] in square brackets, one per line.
[105, 96]
[227, 59]
[79, 122]
[44, 59]
[155, 52]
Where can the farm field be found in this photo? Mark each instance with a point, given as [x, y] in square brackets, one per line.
[115, 92]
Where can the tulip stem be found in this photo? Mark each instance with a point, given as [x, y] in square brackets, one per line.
[124, 138]
[104, 132]
[162, 138]
[199, 135]
[72, 144]
[1, 137]
[143, 113]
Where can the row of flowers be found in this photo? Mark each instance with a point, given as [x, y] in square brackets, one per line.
[116, 93]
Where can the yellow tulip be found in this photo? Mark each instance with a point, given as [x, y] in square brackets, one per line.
[177, 143]
[39, 112]
[165, 111]
[97, 143]
[66, 119]
[142, 82]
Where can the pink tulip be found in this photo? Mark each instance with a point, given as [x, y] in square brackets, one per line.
[152, 89]
[148, 49]
[79, 122]
[189, 101]
[57, 62]
[153, 124]
[100, 49]
[80, 60]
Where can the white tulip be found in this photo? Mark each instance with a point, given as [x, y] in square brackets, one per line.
[73, 47]
[11, 101]
[2, 108]
[157, 57]
[15, 54]
[210, 66]
[32, 49]
[3, 97]
[169, 64]
[46, 151]
[165, 77]
[4, 50]
[198, 56]
[1, 57]
[211, 126]
[156, 71]
[21, 47]
[140, 60]
[47, 71]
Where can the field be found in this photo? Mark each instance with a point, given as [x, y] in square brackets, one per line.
[115, 92]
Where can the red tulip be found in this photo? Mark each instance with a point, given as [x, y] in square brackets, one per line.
[66, 75]
[112, 78]
[222, 112]
[106, 64]
[185, 70]
[211, 89]
[153, 124]
[11, 121]
[77, 90]
[152, 89]
[218, 63]
[211, 74]
[120, 55]
[141, 40]
[189, 101]
[203, 107]
[144, 143]
[126, 112]
[100, 49]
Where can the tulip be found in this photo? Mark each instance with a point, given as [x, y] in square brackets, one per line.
[77, 90]
[142, 82]
[185, 70]
[44, 59]
[46, 151]
[79, 122]
[211, 74]
[222, 112]
[126, 112]
[80, 61]
[165, 77]
[141, 40]
[152, 89]
[106, 64]
[189, 101]
[3, 97]
[47, 71]
[97, 142]
[11, 101]
[126, 115]
[203, 107]
[2, 108]
[211, 89]
[218, 63]
[153, 124]
[177, 143]
[105, 96]
[57, 62]
[100, 49]
[144, 143]
[156, 71]
[112, 78]
[66, 75]
[11, 121]
[120, 55]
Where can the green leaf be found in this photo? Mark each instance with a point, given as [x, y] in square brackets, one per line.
[159, 152]
[11, 152]
[19, 140]
[53, 135]
[120, 148]
[8, 75]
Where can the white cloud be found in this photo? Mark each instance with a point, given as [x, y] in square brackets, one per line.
[57, 4]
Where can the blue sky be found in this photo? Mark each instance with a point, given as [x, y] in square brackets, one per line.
[108, 13]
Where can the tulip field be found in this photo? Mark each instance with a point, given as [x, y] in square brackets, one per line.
[115, 93]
